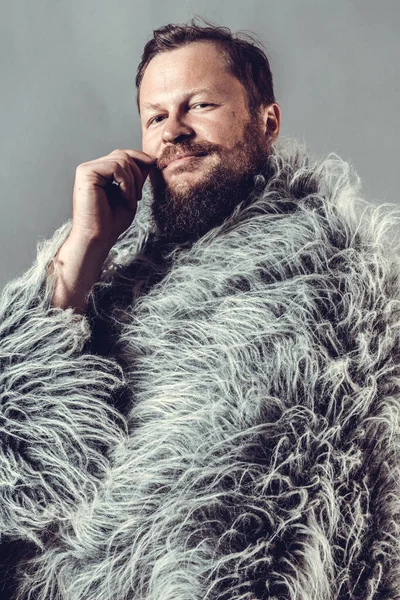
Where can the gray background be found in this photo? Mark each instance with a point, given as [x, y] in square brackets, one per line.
[67, 92]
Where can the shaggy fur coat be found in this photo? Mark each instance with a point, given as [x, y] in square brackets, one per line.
[223, 423]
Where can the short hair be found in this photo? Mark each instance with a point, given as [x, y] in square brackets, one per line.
[243, 59]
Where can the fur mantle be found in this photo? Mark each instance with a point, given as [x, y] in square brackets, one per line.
[223, 423]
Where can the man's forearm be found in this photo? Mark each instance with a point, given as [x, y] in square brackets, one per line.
[76, 269]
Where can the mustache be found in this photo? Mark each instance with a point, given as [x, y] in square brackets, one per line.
[186, 147]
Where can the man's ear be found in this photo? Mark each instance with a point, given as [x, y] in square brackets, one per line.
[272, 120]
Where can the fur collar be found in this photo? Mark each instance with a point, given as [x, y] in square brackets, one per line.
[254, 453]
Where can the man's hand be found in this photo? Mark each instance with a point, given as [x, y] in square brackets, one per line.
[101, 213]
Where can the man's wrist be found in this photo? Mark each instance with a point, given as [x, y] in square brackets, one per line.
[76, 268]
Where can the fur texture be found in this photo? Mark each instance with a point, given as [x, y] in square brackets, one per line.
[223, 424]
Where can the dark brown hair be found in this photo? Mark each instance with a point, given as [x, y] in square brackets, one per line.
[243, 59]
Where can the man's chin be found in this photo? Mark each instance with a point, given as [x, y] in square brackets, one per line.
[187, 175]
[190, 208]
[178, 187]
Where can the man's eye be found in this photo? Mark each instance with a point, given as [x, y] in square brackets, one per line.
[201, 104]
[155, 119]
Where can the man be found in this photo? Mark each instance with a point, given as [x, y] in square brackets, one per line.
[190, 104]
[201, 395]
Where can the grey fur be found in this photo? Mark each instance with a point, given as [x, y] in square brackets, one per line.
[223, 424]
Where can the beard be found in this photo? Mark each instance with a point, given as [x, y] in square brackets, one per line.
[186, 212]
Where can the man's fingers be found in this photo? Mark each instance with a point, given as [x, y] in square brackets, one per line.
[143, 160]
[142, 157]
[124, 178]
[140, 164]
[129, 168]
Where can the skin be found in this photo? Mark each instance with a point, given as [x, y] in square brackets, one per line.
[187, 95]
[213, 120]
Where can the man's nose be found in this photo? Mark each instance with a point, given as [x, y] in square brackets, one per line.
[176, 128]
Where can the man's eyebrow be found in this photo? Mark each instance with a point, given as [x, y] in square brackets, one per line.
[188, 93]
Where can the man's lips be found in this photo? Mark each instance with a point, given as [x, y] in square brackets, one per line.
[182, 158]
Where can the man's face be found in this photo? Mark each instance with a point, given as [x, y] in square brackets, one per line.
[191, 105]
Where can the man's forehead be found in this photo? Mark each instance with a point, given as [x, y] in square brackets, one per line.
[190, 67]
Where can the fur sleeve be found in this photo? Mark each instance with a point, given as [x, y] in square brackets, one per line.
[57, 423]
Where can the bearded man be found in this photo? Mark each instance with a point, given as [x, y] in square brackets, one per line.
[200, 372]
